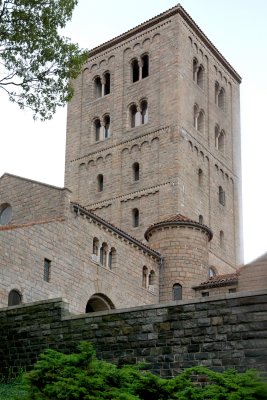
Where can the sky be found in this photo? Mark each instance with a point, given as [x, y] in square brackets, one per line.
[238, 28]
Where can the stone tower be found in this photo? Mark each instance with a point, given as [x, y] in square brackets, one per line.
[153, 130]
[184, 246]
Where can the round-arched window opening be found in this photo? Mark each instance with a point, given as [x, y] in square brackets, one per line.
[14, 298]
[5, 213]
[212, 272]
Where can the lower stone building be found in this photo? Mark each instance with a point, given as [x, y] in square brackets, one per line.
[51, 247]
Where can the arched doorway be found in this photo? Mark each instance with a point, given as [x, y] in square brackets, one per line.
[99, 302]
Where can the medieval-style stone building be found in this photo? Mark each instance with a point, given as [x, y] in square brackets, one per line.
[151, 211]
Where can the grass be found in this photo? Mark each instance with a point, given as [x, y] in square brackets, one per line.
[12, 389]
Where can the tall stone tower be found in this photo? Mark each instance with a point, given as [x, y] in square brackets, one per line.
[153, 131]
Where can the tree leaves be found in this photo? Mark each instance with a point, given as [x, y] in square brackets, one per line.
[36, 63]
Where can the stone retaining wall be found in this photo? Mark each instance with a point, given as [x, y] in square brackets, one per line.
[219, 332]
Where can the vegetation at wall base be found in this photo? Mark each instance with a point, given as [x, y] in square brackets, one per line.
[58, 376]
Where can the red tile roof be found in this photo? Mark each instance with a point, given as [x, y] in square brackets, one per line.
[179, 219]
[219, 280]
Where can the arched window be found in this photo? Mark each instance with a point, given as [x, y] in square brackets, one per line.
[200, 177]
[200, 76]
[195, 68]
[106, 127]
[212, 272]
[196, 110]
[14, 298]
[98, 87]
[144, 112]
[135, 70]
[221, 140]
[217, 134]
[136, 171]
[107, 83]
[221, 98]
[221, 196]
[5, 213]
[200, 219]
[177, 292]
[222, 239]
[151, 278]
[145, 277]
[133, 116]
[135, 213]
[97, 126]
[103, 254]
[95, 246]
[217, 89]
[200, 121]
[145, 65]
[198, 73]
[100, 182]
[111, 258]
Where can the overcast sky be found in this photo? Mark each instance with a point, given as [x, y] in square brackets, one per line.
[237, 28]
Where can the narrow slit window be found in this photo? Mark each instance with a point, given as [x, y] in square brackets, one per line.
[47, 270]
[98, 87]
[100, 183]
[135, 217]
[97, 125]
[136, 171]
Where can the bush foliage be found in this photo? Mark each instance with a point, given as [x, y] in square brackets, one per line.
[81, 376]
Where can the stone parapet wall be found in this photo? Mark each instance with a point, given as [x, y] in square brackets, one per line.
[221, 332]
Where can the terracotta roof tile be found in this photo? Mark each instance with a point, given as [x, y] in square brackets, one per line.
[179, 218]
[219, 280]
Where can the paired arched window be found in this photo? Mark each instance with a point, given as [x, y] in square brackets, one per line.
[106, 126]
[148, 279]
[102, 85]
[98, 87]
[219, 96]
[97, 126]
[14, 298]
[138, 114]
[103, 254]
[145, 277]
[95, 246]
[102, 128]
[140, 68]
[221, 196]
[198, 73]
[219, 139]
[100, 183]
[199, 119]
[135, 216]
[111, 257]
[136, 171]
[177, 291]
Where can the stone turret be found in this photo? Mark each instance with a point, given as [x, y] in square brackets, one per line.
[184, 245]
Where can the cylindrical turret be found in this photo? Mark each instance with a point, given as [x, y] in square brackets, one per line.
[183, 243]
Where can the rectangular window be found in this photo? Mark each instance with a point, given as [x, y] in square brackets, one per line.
[232, 290]
[205, 294]
[47, 270]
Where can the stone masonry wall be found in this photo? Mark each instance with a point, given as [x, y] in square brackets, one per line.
[221, 332]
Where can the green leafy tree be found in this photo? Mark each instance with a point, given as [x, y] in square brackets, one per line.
[36, 62]
[81, 376]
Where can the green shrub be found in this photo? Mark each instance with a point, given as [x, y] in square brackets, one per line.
[81, 376]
